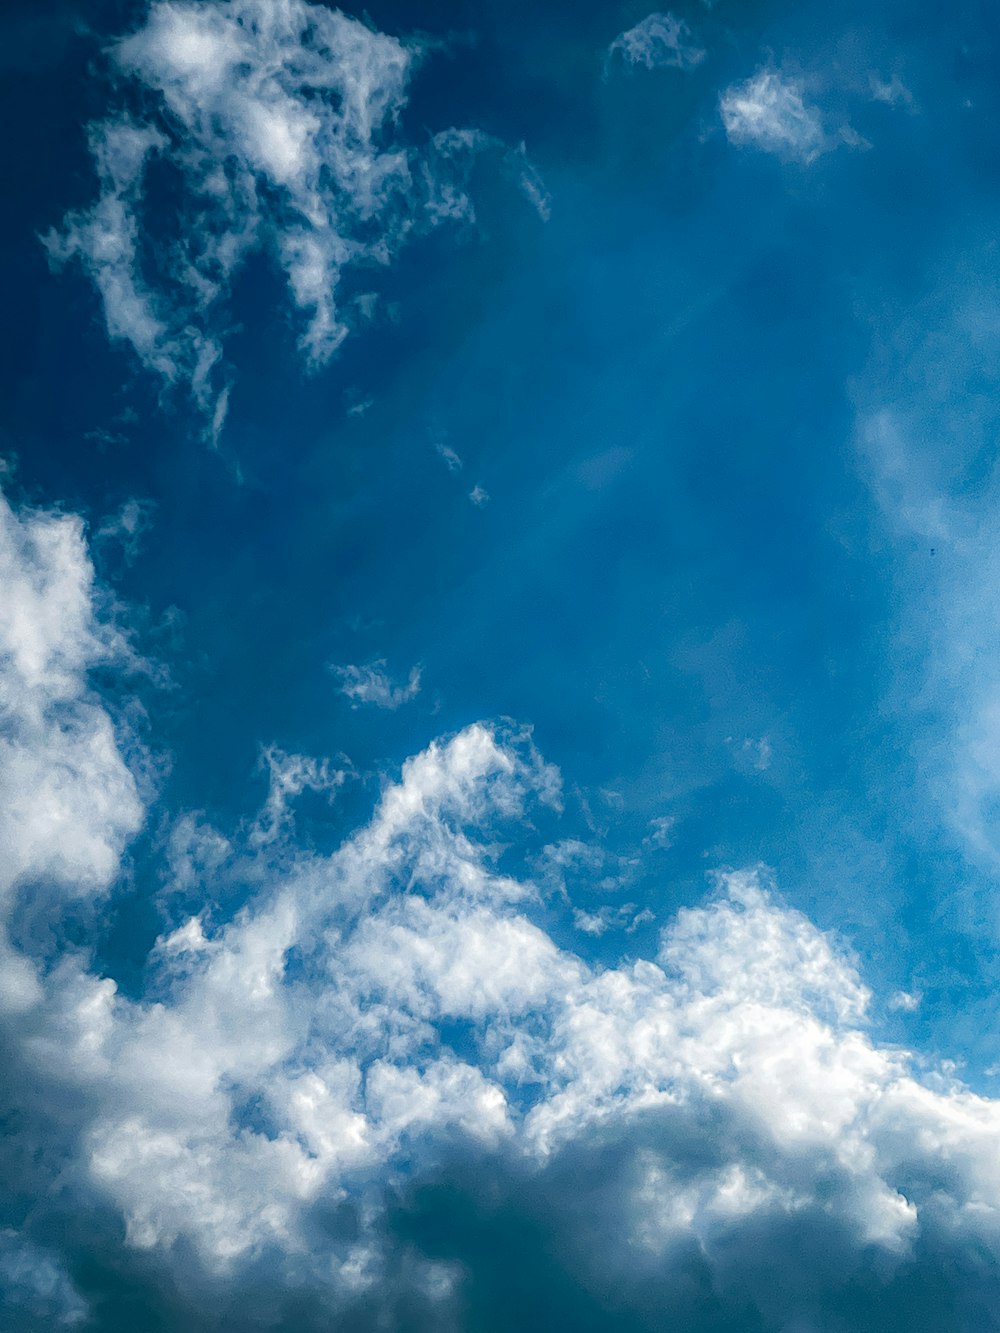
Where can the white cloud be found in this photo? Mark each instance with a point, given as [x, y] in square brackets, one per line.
[916, 449]
[278, 126]
[949, 549]
[289, 775]
[659, 40]
[106, 240]
[372, 684]
[623, 917]
[769, 112]
[479, 496]
[195, 853]
[127, 527]
[68, 802]
[757, 752]
[247, 1089]
[407, 930]
[451, 459]
[529, 181]
[893, 91]
[661, 832]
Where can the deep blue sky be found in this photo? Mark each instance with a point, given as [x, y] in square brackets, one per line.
[729, 401]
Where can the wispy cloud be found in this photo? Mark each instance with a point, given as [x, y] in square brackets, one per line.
[127, 527]
[451, 459]
[753, 752]
[37, 1290]
[892, 91]
[769, 111]
[371, 684]
[289, 775]
[746, 1006]
[658, 41]
[661, 832]
[624, 916]
[276, 127]
[948, 576]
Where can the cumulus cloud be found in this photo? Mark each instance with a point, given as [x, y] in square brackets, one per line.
[746, 1009]
[252, 1092]
[769, 112]
[275, 127]
[372, 684]
[659, 40]
[310, 1075]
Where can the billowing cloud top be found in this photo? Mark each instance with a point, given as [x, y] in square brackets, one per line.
[367, 1009]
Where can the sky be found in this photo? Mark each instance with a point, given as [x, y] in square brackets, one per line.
[499, 673]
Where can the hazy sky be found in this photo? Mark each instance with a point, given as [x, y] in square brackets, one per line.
[500, 666]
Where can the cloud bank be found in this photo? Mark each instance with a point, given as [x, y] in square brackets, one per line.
[392, 1036]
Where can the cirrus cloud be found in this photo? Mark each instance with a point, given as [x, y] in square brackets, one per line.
[657, 41]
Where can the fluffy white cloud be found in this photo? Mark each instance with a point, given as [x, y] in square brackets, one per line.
[365, 1007]
[276, 128]
[769, 111]
[68, 802]
[658, 40]
[409, 930]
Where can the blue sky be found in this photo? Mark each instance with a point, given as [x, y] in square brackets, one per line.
[500, 703]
